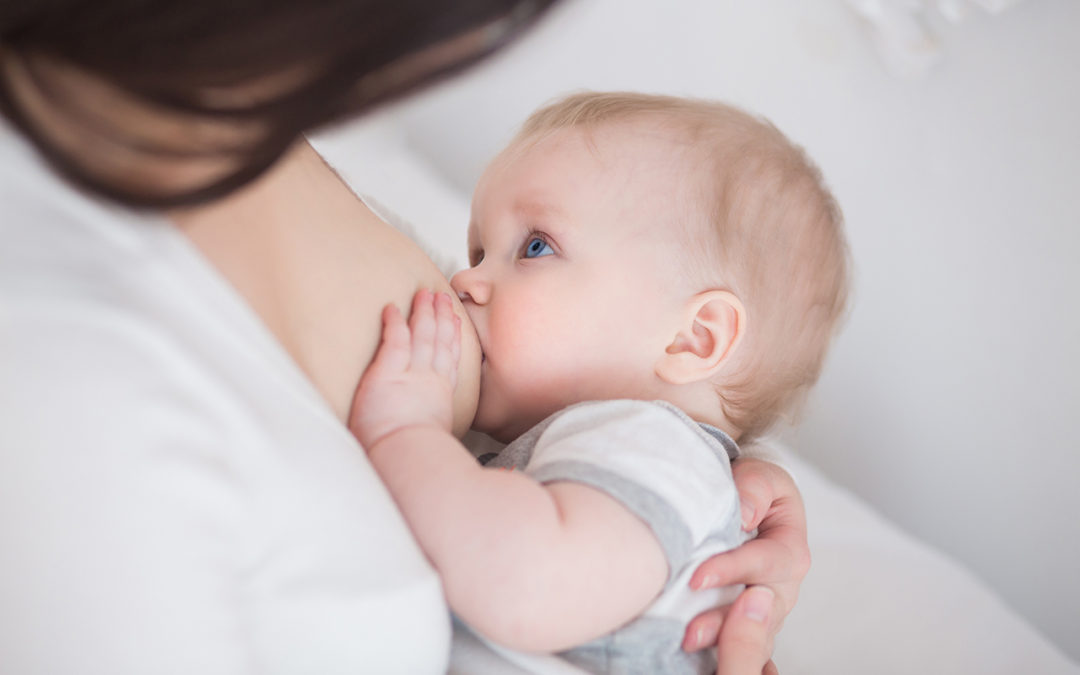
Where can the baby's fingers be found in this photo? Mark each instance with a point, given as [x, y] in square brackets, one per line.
[422, 327]
[447, 339]
[393, 353]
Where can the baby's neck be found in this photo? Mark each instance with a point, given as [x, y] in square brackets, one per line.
[703, 407]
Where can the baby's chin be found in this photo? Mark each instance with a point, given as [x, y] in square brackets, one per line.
[498, 427]
[500, 434]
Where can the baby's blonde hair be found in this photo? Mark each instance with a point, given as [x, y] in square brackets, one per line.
[770, 232]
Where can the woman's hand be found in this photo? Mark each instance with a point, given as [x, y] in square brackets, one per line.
[772, 566]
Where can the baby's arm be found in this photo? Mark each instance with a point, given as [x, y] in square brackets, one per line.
[533, 567]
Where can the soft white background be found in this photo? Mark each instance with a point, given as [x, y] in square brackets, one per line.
[949, 400]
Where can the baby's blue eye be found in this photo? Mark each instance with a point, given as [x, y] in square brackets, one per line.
[537, 248]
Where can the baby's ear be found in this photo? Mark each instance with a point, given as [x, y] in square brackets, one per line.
[715, 322]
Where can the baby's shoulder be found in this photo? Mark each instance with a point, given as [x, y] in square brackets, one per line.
[631, 421]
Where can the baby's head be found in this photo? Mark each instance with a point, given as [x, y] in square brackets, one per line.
[651, 247]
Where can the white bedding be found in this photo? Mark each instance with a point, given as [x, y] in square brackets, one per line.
[876, 600]
[880, 601]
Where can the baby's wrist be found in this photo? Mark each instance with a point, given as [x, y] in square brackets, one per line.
[399, 435]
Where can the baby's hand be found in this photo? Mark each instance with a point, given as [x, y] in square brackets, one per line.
[411, 380]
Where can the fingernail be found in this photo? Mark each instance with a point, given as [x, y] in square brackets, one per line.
[747, 510]
[707, 581]
[699, 639]
[759, 604]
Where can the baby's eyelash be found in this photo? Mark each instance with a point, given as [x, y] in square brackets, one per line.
[476, 256]
[537, 234]
[534, 236]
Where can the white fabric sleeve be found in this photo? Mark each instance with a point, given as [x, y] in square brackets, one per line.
[662, 469]
[115, 524]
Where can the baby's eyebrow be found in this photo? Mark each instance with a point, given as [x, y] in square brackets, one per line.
[537, 208]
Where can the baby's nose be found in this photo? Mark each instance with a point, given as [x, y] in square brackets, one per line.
[470, 286]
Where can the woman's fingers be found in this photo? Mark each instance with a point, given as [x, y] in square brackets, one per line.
[773, 565]
[704, 629]
[760, 484]
[704, 632]
[758, 561]
[780, 555]
[745, 642]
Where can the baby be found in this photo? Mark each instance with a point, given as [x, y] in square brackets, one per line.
[651, 280]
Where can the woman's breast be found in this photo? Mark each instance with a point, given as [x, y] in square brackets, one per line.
[318, 266]
[350, 278]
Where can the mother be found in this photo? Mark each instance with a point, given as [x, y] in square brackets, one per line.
[188, 296]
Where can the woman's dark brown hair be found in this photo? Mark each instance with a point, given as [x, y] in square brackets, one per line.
[313, 62]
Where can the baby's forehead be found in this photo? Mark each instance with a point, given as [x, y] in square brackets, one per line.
[629, 161]
[619, 141]
[528, 207]
[636, 155]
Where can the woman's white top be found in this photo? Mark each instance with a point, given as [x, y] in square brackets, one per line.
[175, 497]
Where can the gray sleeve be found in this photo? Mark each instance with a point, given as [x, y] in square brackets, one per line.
[664, 521]
[662, 470]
